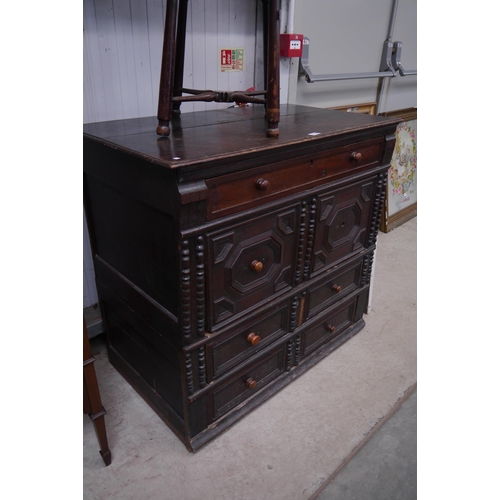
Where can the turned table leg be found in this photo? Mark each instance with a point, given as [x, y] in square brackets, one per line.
[92, 405]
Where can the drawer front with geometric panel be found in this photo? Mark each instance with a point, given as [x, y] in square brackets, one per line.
[332, 324]
[344, 221]
[239, 342]
[344, 280]
[246, 382]
[250, 262]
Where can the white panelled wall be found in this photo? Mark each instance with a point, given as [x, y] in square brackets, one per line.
[123, 40]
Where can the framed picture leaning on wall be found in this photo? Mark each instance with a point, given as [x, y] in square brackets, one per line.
[401, 194]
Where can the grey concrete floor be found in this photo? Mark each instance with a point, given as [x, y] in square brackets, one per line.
[290, 446]
[385, 467]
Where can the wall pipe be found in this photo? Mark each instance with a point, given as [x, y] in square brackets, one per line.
[290, 17]
[393, 19]
[383, 84]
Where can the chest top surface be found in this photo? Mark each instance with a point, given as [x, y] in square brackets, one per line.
[211, 137]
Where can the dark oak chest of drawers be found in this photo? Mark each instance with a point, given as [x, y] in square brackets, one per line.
[227, 263]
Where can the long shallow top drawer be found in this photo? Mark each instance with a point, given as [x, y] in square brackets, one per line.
[234, 192]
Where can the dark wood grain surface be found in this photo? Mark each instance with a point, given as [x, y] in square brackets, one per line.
[229, 133]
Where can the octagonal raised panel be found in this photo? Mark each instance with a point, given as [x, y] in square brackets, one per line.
[266, 250]
[249, 263]
[343, 223]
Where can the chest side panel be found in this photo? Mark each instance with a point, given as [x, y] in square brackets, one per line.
[136, 240]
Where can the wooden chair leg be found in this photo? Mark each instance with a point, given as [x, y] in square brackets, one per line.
[180, 51]
[273, 69]
[167, 70]
[92, 399]
[172, 67]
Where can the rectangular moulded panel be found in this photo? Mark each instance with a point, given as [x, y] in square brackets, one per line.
[330, 326]
[238, 342]
[339, 283]
[239, 387]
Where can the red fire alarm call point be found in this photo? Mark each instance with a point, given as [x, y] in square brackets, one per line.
[291, 45]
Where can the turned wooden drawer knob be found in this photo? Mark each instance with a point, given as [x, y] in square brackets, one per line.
[253, 339]
[257, 266]
[356, 156]
[262, 185]
[337, 288]
[330, 328]
[250, 383]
